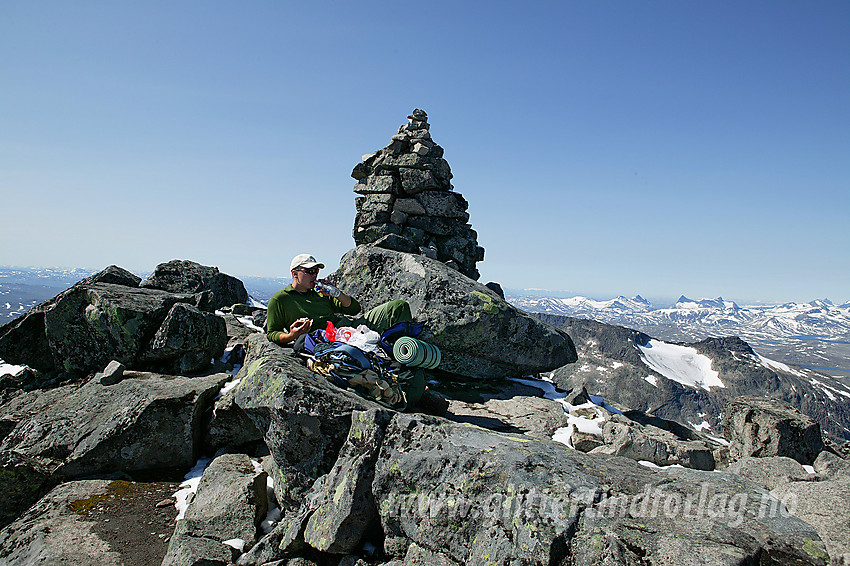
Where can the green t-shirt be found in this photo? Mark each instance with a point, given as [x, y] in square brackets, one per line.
[288, 305]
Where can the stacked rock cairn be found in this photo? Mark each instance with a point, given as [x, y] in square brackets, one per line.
[407, 202]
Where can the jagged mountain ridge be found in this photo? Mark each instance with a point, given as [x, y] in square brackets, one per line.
[814, 334]
[819, 317]
[631, 368]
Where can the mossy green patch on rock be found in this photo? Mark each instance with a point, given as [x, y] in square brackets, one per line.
[597, 542]
[359, 424]
[340, 489]
[490, 306]
[815, 550]
[120, 488]
[85, 506]
[254, 367]
[273, 382]
[116, 489]
[130, 323]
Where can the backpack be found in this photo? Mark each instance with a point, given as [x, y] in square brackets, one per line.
[349, 367]
[390, 335]
[347, 361]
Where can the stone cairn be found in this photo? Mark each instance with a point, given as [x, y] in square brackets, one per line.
[407, 203]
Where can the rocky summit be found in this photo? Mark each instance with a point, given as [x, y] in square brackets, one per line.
[290, 469]
[130, 388]
[407, 202]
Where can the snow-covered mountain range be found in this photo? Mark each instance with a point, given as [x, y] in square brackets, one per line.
[814, 334]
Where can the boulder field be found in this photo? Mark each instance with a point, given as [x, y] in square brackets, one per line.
[290, 469]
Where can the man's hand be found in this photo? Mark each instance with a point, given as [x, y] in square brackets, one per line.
[300, 326]
[331, 290]
[296, 329]
[325, 287]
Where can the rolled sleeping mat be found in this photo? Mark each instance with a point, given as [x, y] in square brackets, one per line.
[415, 353]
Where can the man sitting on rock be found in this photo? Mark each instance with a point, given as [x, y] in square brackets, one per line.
[302, 306]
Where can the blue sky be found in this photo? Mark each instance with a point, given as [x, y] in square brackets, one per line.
[660, 148]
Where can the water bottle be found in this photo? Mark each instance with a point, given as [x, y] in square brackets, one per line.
[329, 290]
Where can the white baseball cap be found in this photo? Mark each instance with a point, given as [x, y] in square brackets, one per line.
[305, 260]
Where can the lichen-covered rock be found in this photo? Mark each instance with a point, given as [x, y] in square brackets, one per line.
[479, 334]
[229, 504]
[478, 497]
[22, 480]
[144, 422]
[106, 318]
[760, 427]
[823, 505]
[57, 530]
[585, 441]
[259, 318]
[346, 510]
[265, 551]
[93, 325]
[25, 341]
[339, 510]
[416, 555]
[98, 521]
[771, 471]
[535, 417]
[186, 276]
[829, 464]
[85, 327]
[285, 539]
[303, 418]
[114, 275]
[188, 548]
[397, 243]
[229, 428]
[238, 331]
[186, 342]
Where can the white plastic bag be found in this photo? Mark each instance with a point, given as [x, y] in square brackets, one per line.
[366, 339]
[344, 333]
